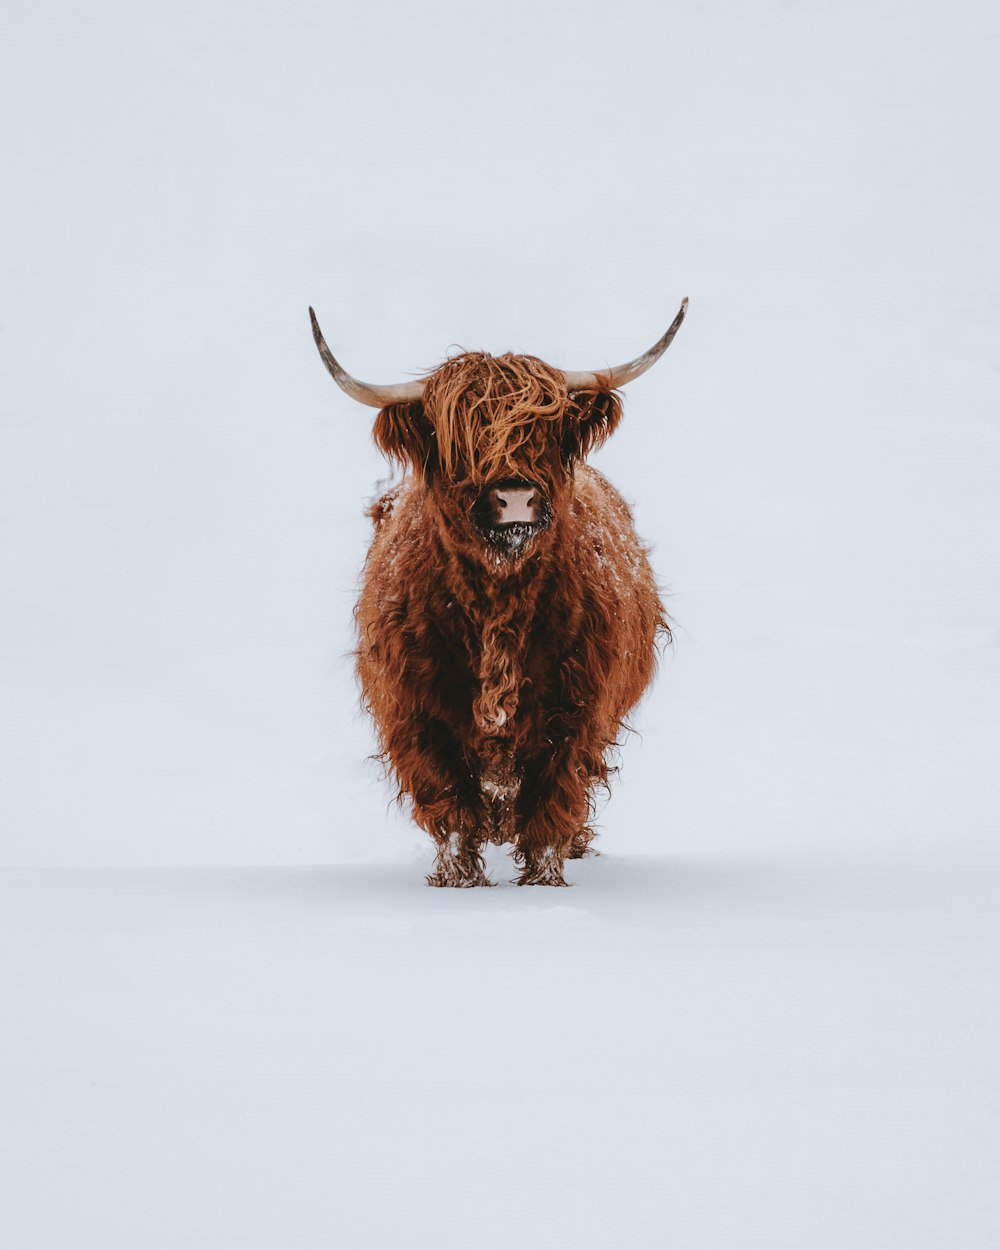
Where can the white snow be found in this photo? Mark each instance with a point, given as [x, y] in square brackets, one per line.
[705, 1051]
[231, 1014]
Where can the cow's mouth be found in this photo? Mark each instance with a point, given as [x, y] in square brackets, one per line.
[509, 514]
[511, 540]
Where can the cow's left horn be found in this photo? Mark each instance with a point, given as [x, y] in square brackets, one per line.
[373, 396]
[623, 374]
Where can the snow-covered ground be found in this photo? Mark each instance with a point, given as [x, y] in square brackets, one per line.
[231, 1015]
[702, 1052]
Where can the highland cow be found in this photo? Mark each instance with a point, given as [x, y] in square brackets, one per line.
[509, 617]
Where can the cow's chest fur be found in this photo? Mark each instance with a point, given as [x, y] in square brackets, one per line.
[503, 640]
[502, 716]
[488, 642]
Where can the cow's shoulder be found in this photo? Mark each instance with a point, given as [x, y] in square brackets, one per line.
[388, 505]
[602, 520]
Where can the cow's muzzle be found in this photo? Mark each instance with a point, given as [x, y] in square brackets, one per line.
[509, 513]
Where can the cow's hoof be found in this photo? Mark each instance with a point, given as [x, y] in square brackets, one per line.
[457, 872]
[457, 880]
[580, 845]
[545, 869]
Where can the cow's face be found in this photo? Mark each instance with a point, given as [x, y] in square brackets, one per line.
[495, 439]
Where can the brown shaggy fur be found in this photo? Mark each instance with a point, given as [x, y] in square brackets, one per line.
[499, 683]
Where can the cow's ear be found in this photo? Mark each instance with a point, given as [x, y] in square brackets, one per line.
[404, 434]
[593, 416]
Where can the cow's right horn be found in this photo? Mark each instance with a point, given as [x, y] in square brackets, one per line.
[373, 396]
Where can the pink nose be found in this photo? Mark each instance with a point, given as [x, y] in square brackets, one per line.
[514, 504]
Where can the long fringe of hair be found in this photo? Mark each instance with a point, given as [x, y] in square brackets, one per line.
[490, 412]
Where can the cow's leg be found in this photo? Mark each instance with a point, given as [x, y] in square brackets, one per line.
[443, 788]
[552, 810]
[459, 862]
[460, 829]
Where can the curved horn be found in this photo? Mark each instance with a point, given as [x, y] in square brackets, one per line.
[373, 396]
[622, 374]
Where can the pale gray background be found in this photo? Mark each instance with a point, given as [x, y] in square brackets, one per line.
[768, 1015]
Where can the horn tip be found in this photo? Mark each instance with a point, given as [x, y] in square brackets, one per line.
[317, 332]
